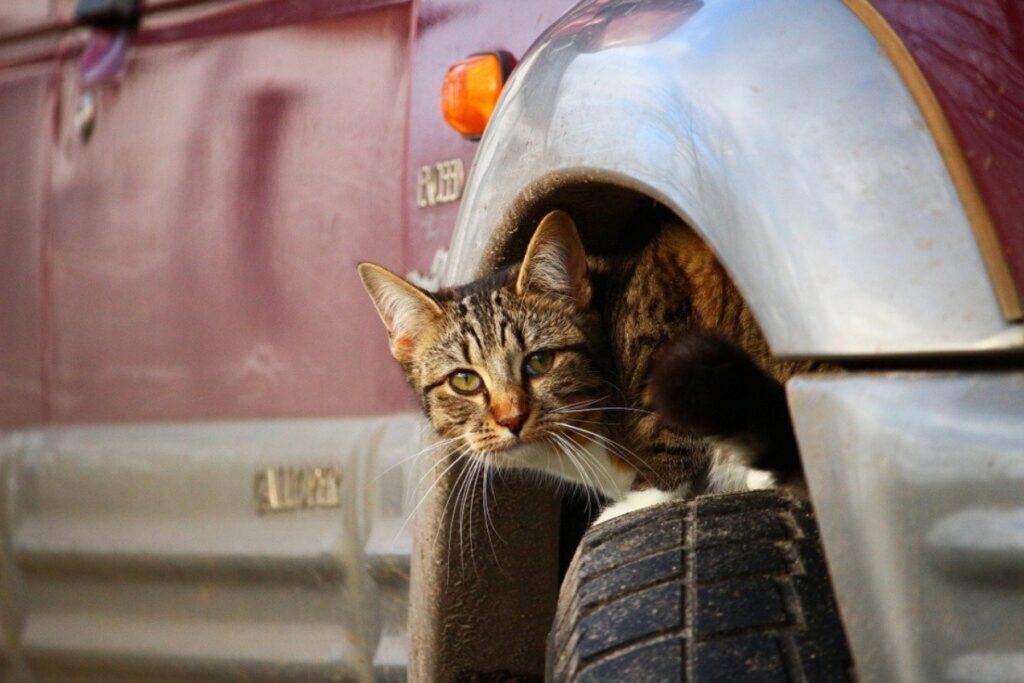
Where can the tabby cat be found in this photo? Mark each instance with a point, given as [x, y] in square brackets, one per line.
[614, 372]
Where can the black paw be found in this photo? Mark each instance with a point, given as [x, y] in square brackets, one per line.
[705, 385]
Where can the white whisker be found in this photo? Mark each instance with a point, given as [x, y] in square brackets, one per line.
[589, 470]
[572, 459]
[596, 468]
[591, 410]
[488, 522]
[457, 457]
[601, 437]
[422, 451]
[460, 450]
[618, 449]
[458, 489]
[471, 499]
[455, 491]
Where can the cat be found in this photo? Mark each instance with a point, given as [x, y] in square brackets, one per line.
[616, 372]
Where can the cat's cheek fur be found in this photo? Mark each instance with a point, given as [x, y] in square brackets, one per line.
[613, 481]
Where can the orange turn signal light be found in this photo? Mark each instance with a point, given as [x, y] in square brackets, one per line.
[470, 91]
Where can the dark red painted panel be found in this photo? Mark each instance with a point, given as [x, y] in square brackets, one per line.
[17, 15]
[204, 240]
[972, 53]
[26, 106]
[447, 31]
[191, 19]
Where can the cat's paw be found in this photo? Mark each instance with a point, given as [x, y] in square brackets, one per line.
[759, 479]
[636, 500]
[706, 386]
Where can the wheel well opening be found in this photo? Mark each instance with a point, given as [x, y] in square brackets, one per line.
[610, 217]
[615, 218]
[540, 522]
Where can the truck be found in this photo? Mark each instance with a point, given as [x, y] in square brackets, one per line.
[211, 469]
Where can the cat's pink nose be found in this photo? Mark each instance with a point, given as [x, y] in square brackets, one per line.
[514, 422]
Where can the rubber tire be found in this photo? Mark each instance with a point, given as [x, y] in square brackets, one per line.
[719, 588]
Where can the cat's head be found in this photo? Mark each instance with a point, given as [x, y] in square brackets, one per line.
[500, 362]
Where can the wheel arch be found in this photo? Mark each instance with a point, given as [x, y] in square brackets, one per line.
[811, 172]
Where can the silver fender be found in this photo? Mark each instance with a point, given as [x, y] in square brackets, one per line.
[780, 130]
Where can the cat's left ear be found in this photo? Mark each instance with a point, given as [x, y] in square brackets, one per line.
[407, 311]
[555, 261]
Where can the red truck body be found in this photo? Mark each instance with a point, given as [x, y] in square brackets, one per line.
[194, 258]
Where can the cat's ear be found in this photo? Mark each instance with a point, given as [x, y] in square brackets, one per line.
[555, 261]
[407, 311]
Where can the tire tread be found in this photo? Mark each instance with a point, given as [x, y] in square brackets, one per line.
[718, 588]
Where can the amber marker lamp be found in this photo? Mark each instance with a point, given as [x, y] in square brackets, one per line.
[470, 90]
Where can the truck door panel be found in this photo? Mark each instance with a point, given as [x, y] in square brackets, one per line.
[191, 260]
[26, 109]
[204, 238]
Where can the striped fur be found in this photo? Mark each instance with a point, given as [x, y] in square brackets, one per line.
[605, 319]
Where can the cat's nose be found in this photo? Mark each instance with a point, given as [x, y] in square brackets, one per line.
[513, 422]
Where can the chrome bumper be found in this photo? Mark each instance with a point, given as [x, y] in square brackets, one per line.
[918, 482]
[142, 549]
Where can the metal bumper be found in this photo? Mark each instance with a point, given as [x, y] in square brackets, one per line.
[140, 552]
[918, 482]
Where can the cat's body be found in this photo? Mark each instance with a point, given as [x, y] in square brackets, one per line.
[548, 365]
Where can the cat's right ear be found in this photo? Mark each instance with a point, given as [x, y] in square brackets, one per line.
[555, 261]
[407, 311]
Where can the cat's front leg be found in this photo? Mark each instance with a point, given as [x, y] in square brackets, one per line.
[705, 386]
[729, 471]
[637, 500]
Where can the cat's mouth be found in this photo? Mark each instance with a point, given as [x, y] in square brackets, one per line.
[558, 451]
[542, 437]
[521, 453]
[502, 443]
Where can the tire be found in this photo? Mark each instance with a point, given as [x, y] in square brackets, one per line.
[719, 588]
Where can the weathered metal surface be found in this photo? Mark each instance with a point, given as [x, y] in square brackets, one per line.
[137, 553]
[809, 170]
[202, 262]
[969, 50]
[917, 482]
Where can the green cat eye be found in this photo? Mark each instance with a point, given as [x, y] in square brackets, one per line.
[538, 363]
[465, 382]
